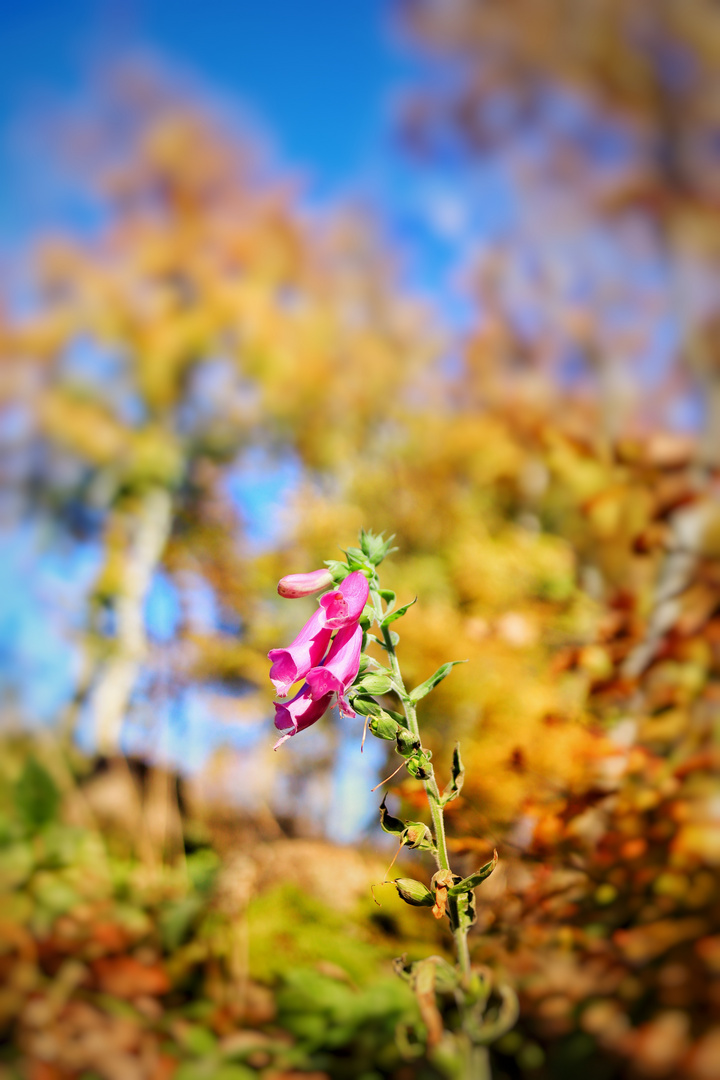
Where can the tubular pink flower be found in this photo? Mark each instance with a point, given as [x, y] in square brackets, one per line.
[345, 605]
[299, 713]
[293, 586]
[307, 650]
[340, 668]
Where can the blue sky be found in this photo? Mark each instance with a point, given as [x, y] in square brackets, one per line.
[316, 75]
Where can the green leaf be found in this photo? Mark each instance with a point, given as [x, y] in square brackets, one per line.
[398, 613]
[202, 867]
[198, 1040]
[36, 796]
[454, 788]
[176, 920]
[468, 884]
[16, 865]
[424, 688]
[54, 893]
[462, 909]
[414, 892]
[390, 824]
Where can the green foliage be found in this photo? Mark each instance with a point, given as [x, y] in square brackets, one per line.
[442, 672]
[288, 929]
[36, 795]
[324, 1014]
[398, 613]
[457, 778]
[472, 880]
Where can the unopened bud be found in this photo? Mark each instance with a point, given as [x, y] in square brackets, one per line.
[293, 586]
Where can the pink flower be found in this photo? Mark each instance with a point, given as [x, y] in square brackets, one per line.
[293, 586]
[340, 667]
[345, 605]
[299, 713]
[307, 650]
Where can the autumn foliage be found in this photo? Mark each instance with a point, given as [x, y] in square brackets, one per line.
[561, 537]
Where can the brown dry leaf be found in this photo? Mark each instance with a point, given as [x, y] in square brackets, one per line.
[126, 977]
[644, 943]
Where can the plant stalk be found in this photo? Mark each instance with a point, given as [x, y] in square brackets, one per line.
[437, 812]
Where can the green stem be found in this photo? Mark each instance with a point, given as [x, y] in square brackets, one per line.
[478, 1065]
[437, 812]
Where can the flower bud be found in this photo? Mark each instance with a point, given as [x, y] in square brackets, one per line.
[293, 586]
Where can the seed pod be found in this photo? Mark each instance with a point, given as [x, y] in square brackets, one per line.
[414, 892]
[383, 726]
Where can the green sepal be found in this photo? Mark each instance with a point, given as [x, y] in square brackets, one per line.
[375, 684]
[419, 765]
[365, 706]
[398, 613]
[469, 883]
[339, 570]
[457, 778]
[390, 824]
[383, 726]
[414, 892]
[398, 716]
[418, 836]
[430, 684]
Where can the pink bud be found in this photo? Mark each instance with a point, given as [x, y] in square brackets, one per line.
[293, 586]
[299, 713]
[307, 650]
[340, 668]
[345, 605]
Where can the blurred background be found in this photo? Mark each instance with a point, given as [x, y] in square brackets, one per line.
[270, 273]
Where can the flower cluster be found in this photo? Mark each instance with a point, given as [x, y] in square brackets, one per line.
[328, 665]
